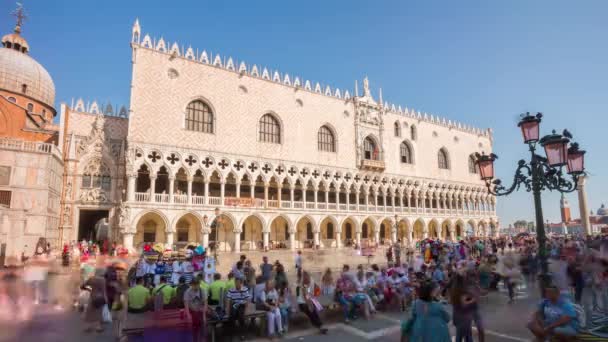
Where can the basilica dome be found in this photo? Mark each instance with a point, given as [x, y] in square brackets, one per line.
[602, 211]
[21, 74]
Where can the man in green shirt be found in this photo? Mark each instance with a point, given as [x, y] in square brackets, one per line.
[230, 284]
[167, 291]
[216, 288]
[138, 297]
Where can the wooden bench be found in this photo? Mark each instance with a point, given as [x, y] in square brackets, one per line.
[249, 316]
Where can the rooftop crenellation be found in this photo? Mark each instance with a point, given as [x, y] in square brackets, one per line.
[240, 67]
[93, 107]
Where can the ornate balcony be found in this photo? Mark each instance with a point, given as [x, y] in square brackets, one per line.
[373, 165]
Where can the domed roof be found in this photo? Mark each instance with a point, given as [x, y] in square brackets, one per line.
[21, 74]
[602, 211]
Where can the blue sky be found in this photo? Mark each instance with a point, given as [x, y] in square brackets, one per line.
[478, 62]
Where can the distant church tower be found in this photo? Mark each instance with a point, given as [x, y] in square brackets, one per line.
[565, 209]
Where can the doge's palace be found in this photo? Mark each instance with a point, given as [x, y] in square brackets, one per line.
[246, 158]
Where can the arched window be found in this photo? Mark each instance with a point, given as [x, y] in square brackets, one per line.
[382, 231]
[370, 151]
[12, 99]
[406, 153]
[413, 133]
[270, 130]
[364, 232]
[199, 117]
[30, 107]
[326, 140]
[96, 175]
[397, 129]
[442, 159]
[472, 164]
[150, 231]
[183, 227]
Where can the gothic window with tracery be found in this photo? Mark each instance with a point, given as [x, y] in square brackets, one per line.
[405, 153]
[326, 140]
[413, 133]
[472, 164]
[370, 151]
[442, 159]
[96, 176]
[270, 130]
[199, 117]
[397, 129]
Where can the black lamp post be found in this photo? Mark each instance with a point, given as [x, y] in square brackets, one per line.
[538, 174]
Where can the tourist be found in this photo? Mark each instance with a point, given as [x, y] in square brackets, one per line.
[165, 290]
[195, 303]
[98, 300]
[269, 299]
[389, 255]
[180, 290]
[397, 252]
[242, 260]
[215, 289]
[236, 304]
[465, 310]
[187, 270]
[230, 283]
[304, 293]
[280, 278]
[249, 273]
[238, 271]
[138, 297]
[285, 306]
[266, 269]
[298, 262]
[177, 272]
[555, 317]
[429, 319]
[327, 283]
[510, 274]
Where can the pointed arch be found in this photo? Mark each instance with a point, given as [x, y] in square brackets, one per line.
[270, 129]
[443, 159]
[406, 152]
[326, 138]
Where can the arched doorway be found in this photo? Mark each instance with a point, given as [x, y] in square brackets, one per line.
[470, 229]
[151, 228]
[279, 233]
[222, 234]
[445, 230]
[433, 229]
[251, 234]
[403, 232]
[328, 233]
[304, 233]
[418, 230]
[348, 232]
[187, 231]
[368, 229]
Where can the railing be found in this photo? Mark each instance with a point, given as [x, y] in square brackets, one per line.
[298, 205]
[29, 146]
[180, 199]
[161, 198]
[331, 206]
[142, 197]
[258, 203]
[198, 200]
[352, 207]
[321, 206]
[285, 204]
[343, 207]
[310, 205]
[362, 207]
[215, 200]
[273, 203]
[372, 164]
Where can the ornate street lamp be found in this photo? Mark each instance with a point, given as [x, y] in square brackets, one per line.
[540, 173]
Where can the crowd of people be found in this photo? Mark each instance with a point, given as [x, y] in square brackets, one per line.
[420, 280]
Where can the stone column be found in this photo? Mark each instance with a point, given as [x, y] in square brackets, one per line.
[152, 188]
[131, 188]
[127, 241]
[304, 196]
[347, 199]
[366, 198]
[401, 201]
[222, 191]
[358, 238]
[292, 241]
[338, 239]
[279, 194]
[326, 198]
[190, 178]
[171, 188]
[266, 185]
[291, 195]
[393, 200]
[337, 198]
[357, 199]
[238, 189]
[425, 231]
[316, 193]
[237, 242]
[252, 189]
[266, 236]
[452, 231]
[394, 234]
[377, 235]
[206, 191]
[316, 239]
[205, 240]
[582, 203]
[170, 239]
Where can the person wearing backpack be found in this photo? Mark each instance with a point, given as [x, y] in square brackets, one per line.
[195, 302]
[163, 294]
[556, 317]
